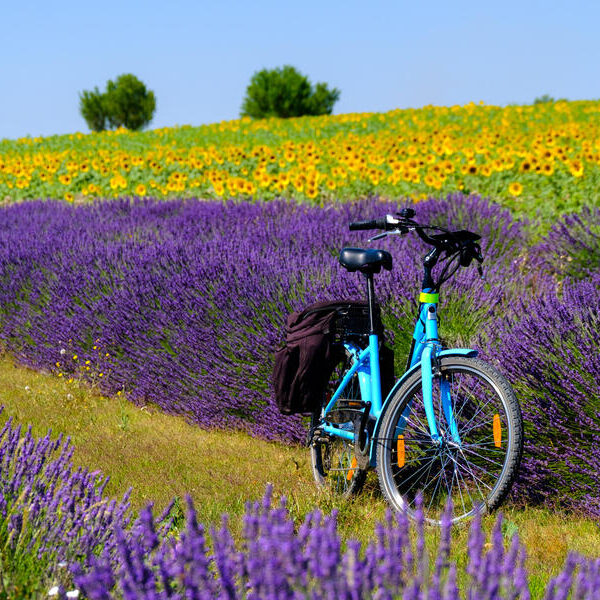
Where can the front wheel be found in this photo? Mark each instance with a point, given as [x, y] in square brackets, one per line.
[473, 465]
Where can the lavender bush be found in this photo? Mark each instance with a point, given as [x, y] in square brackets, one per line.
[182, 304]
[53, 515]
[572, 246]
[274, 560]
[50, 513]
[167, 299]
[550, 353]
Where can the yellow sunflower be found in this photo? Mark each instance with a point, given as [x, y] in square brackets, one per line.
[515, 188]
[576, 168]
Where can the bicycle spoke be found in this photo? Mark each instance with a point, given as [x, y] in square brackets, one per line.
[418, 439]
[439, 480]
[420, 427]
[448, 486]
[430, 480]
[456, 394]
[414, 460]
[424, 466]
[429, 465]
[476, 403]
[475, 478]
[454, 470]
[464, 483]
[486, 421]
[484, 472]
[491, 446]
[483, 457]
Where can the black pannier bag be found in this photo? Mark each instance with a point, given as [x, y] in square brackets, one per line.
[313, 347]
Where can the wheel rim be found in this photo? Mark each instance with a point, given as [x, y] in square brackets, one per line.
[470, 472]
[334, 463]
[337, 465]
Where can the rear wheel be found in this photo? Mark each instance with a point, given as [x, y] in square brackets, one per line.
[334, 463]
[477, 470]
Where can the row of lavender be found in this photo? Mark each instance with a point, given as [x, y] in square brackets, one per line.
[182, 304]
[57, 530]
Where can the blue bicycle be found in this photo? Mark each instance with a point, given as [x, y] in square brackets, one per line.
[451, 427]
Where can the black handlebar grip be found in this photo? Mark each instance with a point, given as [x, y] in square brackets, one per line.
[373, 224]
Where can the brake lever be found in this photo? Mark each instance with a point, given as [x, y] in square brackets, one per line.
[385, 234]
[479, 259]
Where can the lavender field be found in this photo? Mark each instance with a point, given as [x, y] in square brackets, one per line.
[182, 303]
[56, 517]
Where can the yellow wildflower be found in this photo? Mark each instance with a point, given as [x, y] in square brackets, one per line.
[515, 188]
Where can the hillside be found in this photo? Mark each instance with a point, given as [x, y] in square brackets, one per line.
[545, 157]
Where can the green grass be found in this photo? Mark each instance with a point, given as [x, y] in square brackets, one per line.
[162, 456]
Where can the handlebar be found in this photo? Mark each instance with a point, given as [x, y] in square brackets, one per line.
[373, 224]
[445, 240]
[426, 238]
[461, 244]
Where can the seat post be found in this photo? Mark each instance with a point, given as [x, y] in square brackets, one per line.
[371, 297]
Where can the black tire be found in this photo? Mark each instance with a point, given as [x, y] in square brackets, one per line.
[476, 473]
[333, 459]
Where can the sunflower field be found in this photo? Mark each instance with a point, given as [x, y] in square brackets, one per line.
[545, 156]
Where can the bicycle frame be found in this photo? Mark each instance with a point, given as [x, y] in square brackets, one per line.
[426, 352]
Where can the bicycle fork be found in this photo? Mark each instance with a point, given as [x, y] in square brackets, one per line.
[426, 352]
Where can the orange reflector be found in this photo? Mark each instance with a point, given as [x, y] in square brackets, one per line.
[400, 448]
[351, 471]
[497, 431]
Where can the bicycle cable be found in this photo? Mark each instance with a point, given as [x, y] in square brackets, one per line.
[443, 277]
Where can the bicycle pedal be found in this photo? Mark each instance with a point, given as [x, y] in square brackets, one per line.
[344, 415]
[343, 403]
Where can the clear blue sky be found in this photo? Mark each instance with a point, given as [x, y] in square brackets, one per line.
[198, 56]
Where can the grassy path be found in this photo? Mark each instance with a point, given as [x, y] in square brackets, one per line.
[161, 456]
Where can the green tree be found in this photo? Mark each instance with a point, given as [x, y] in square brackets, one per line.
[284, 92]
[125, 103]
[544, 99]
[128, 102]
[92, 109]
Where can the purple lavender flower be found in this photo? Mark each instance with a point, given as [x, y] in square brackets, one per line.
[182, 303]
[187, 299]
[572, 246]
[550, 355]
[143, 559]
